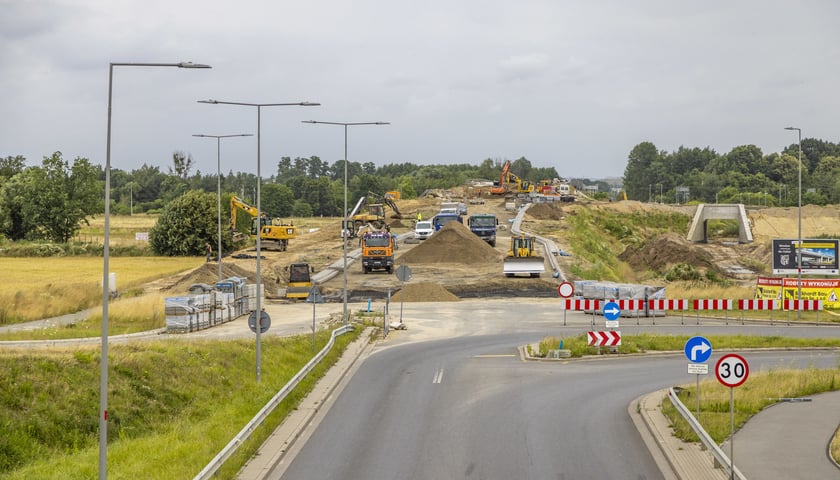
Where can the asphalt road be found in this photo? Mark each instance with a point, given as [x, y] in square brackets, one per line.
[450, 398]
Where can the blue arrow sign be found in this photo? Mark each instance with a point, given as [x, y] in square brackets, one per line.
[698, 349]
[611, 311]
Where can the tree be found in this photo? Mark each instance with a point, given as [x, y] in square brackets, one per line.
[58, 198]
[181, 165]
[277, 200]
[637, 174]
[11, 166]
[186, 225]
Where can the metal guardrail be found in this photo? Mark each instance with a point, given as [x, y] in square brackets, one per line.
[707, 441]
[210, 470]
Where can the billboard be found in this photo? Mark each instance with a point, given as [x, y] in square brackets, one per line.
[827, 290]
[819, 256]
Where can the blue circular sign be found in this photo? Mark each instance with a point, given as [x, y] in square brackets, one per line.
[698, 349]
[611, 311]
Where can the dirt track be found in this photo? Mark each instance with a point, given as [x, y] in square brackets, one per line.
[455, 263]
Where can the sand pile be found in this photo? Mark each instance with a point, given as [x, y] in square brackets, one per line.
[661, 253]
[546, 211]
[454, 243]
[424, 292]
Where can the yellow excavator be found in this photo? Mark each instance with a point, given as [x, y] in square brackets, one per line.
[522, 257]
[273, 231]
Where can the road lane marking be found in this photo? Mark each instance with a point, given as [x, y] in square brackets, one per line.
[499, 355]
[438, 376]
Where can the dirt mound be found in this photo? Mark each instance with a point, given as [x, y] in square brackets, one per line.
[207, 273]
[546, 211]
[424, 292]
[453, 243]
[396, 224]
[663, 252]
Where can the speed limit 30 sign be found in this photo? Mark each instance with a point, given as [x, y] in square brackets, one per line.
[732, 370]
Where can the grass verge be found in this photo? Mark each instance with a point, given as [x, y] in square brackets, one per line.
[172, 405]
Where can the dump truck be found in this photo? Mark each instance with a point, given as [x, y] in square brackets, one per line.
[378, 251]
[522, 257]
[442, 219]
[300, 280]
[484, 225]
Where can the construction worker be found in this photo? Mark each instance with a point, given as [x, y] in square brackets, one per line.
[419, 216]
[209, 251]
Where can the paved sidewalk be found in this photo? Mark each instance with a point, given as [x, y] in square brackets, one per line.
[269, 461]
[687, 461]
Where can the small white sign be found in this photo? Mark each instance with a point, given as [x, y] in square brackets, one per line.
[698, 368]
[612, 323]
[141, 236]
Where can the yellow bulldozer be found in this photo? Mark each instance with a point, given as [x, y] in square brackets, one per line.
[522, 257]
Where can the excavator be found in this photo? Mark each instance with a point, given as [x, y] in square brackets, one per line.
[372, 214]
[522, 257]
[273, 231]
[500, 187]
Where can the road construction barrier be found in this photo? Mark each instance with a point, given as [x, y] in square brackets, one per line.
[813, 305]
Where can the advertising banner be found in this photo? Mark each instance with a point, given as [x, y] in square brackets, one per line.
[819, 256]
[827, 290]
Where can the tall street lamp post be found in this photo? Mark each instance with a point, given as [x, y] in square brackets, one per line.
[103, 376]
[258, 311]
[799, 236]
[219, 186]
[344, 237]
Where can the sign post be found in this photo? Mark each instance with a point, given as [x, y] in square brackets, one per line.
[565, 290]
[313, 298]
[404, 275]
[698, 350]
[732, 371]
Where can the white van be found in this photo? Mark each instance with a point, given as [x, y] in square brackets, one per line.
[423, 229]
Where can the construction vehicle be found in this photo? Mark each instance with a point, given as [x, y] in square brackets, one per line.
[484, 225]
[300, 280]
[378, 251]
[393, 195]
[522, 257]
[273, 231]
[500, 187]
[369, 213]
[441, 219]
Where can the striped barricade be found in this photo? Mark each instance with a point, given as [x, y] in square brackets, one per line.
[585, 304]
[757, 305]
[812, 305]
[724, 304]
[661, 306]
[632, 307]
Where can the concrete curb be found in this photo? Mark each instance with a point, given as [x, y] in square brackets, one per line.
[279, 449]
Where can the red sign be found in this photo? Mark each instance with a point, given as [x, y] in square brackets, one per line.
[732, 370]
[565, 289]
[610, 338]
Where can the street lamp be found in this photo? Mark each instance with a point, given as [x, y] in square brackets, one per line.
[344, 237]
[103, 376]
[258, 311]
[219, 185]
[799, 246]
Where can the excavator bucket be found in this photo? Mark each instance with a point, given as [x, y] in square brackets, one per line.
[534, 266]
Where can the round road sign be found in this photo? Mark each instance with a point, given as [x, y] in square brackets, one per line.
[265, 321]
[565, 289]
[403, 273]
[732, 370]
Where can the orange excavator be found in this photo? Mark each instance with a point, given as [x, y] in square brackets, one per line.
[500, 187]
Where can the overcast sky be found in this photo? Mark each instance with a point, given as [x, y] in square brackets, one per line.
[573, 84]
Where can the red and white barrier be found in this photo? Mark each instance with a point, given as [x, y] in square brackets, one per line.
[580, 304]
[631, 304]
[757, 305]
[803, 304]
[668, 304]
[713, 304]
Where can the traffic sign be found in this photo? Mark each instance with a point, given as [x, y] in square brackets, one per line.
[314, 296]
[611, 338]
[732, 370]
[403, 273]
[265, 321]
[565, 289]
[698, 349]
[698, 368]
[611, 311]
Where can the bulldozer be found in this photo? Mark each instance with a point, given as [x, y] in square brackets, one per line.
[522, 257]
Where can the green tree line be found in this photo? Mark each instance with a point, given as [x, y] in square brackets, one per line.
[744, 175]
